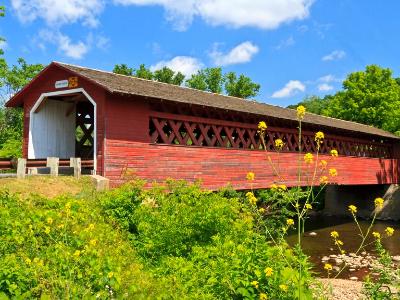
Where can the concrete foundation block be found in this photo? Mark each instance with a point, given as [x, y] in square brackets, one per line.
[53, 163]
[21, 168]
[101, 183]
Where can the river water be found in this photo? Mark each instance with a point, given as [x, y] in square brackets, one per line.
[322, 245]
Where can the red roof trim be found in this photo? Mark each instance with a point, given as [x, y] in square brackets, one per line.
[17, 100]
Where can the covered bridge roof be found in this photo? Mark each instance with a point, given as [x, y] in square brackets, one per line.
[116, 83]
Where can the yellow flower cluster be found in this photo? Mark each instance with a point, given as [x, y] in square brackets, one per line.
[263, 296]
[389, 231]
[323, 180]
[308, 206]
[251, 198]
[333, 172]
[250, 176]
[268, 271]
[353, 209]
[379, 202]
[279, 144]
[335, 234]
[262, 126]
[283, 287]
[323, 163]
[319, 137]
[301, 111]
[289, 222]
[334, 153]
[328, 267]
[308, 158]
[254, 283]
[376, 235]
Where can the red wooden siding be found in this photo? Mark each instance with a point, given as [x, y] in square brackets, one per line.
[217, 167]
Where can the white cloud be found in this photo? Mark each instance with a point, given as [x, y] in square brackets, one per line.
[59, 12]
[324, 87]
[65, 45]
[327, 78]
[285, 43]
[264, 14]
[3, 45]
[334, 55]
[291, 88]
[185, 64]
[242, 53]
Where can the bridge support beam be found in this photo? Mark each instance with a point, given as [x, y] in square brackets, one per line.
[339, 197]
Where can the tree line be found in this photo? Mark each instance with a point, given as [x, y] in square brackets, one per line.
[209, 79]
[370, 97]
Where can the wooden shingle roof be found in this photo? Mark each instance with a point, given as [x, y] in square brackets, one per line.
[128, 85]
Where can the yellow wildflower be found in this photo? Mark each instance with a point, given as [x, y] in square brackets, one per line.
[282, 187]
[68, 206]
[283, 287]
[319, 137]
[268, 271]
[376, 235]
[251, 198]
[334, 153]
[47, 229]
[323, 180]
[28, 261]
[353, 209]
[279, 144]
[308, 206]
[328, 267]
[333, 172]
[60, 226]
[250, 176]
[261, 210]
[49, 220]
[273, 186]
[338, 243]
[389, 231]
[110, 275]
[335, 234]
[379, 202]
[93, 242]
[308, 158]
[254, 283]
[77, 253]
[263, 296]
[262, 126]
[323, 164]
[90, 227]
[301, 111]
[289, 222]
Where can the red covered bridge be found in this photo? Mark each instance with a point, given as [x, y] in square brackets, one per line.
[160, 131]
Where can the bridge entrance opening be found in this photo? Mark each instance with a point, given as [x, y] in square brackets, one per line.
[63, 125]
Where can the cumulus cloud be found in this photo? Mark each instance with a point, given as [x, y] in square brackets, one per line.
[64, 44]
[327, 78]
[59, 12]
[291, 88]
[334, 55]
[264, 14]
[242, 53]
[185, 64]
[324, 87]
[3, 45]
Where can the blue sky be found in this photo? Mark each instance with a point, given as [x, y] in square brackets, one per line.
[293, 48]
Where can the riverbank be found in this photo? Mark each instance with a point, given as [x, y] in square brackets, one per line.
[342, 289]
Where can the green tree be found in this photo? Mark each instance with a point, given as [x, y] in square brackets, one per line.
[13, 79]
[167, 75]
[209, 79]
[370, 97]
[314, 104]
[242, 87]
[143, 72]
[123, 69]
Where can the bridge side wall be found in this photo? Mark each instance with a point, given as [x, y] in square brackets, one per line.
[218, 167]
